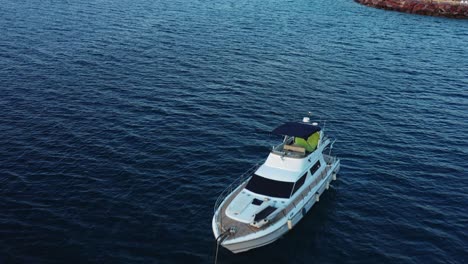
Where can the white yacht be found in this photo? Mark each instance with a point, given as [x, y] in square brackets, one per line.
[271, 198]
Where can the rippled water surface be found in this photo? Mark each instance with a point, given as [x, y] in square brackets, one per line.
[121, 121]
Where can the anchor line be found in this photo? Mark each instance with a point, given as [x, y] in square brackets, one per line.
[220, 240]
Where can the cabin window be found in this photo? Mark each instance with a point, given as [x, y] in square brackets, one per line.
[269, 187]
[299, 183]
[315, 168]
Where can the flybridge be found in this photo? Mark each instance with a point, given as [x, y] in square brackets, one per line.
[301, 138]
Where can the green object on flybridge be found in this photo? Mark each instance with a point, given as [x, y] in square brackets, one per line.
[310, 144]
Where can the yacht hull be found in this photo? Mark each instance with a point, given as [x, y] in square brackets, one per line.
[237, 247]
[241, 244]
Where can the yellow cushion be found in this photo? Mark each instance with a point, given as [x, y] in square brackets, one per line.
[301, 142]
[311, 142]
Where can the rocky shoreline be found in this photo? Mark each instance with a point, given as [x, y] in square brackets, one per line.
[453, 9]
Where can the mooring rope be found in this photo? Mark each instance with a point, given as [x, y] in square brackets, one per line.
[221, 238]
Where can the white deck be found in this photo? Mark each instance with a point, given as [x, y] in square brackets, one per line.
[242, 229]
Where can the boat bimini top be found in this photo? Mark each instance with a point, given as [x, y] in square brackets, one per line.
[305, 135]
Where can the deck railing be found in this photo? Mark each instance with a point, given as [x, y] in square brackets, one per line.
[303, 193]
[238, 182]
[241, 181]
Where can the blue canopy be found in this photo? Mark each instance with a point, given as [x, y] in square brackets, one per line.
[302, 130]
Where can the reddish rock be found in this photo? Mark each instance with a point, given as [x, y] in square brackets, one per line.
[410, 5]
[391, 3]
[422, 7]
[418, 7]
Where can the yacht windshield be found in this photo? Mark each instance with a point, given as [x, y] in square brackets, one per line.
[268, 187]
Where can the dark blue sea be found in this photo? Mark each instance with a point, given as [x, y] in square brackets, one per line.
[121, 122]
